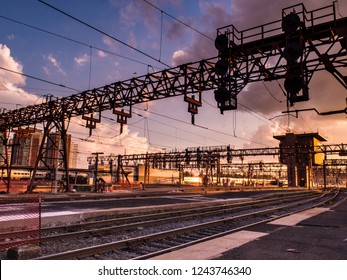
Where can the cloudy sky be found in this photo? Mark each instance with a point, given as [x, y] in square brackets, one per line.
[38, 41]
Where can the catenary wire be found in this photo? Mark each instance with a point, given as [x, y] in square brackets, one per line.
[104, 33]
[75, 41]
[180, 21]
[39, 79]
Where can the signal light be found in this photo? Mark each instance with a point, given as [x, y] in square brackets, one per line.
[221, 67]
[226, 99]
[222, 42]
[292, 52]
[293, 84]
[222, 45]
[290, 23]
[296, 80]
[221, 95]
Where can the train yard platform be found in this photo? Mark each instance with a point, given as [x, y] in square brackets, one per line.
[319, 233]
[60, 208]
[64, 209]
[315, 234]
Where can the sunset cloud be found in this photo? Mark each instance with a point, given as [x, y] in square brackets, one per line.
[56, 64]
[82, 59]
[8, 62]
[11, 93]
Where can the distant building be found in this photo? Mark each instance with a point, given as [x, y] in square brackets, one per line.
[300, 152]
[20, 150]
[25, 148]
[54, 149]
[73, 155]
[35, 142]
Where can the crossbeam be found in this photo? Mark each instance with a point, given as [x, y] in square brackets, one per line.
[256, 58]
[208, 154]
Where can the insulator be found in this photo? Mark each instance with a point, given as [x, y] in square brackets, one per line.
[221, 67]
[222, 42]
[290, 23]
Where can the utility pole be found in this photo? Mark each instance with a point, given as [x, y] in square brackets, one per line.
[96, 168]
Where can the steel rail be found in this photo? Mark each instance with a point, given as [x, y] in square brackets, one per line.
[120, 221]
[173, 216]
[195, 208]
[123, 244]
[174, 248]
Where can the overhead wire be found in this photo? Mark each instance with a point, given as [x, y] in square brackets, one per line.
[280, 86]
[206, 128]
[146, 130]
[102, 32]
[274, 97]
[178, 20]
[183, 130]
[39, 79]
[252, 112]
[73, 40]
[202, 127]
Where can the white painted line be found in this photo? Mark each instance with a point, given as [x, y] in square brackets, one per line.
[213, 248]
[294, 219]
[60, 213]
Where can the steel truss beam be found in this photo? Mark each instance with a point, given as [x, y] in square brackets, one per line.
[212, 154]
[256, 54]
[336, 162]
[187, 79]
[266, 53]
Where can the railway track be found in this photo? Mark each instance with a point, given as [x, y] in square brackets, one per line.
[173, 230]
[126, 223]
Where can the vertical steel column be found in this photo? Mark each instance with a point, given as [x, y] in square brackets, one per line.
[4, 139]
[96, 169]
[46, 130]
[63, 136]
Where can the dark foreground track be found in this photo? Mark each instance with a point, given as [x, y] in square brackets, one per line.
[172, 230]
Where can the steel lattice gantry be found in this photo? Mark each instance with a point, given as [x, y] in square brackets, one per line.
[266, 52]
[255, 57]
[214, 157]
[292, 48]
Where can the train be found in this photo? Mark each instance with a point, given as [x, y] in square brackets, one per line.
[23, 174]
[231, 181]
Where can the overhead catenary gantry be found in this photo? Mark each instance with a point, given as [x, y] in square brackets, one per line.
[213, 160]
[292, 48]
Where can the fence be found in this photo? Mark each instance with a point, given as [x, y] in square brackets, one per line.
[20, 220]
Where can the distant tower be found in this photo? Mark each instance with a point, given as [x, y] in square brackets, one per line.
[299, 153]
[73, 155]
[20, 149]
[35, 140]
[54, 146]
